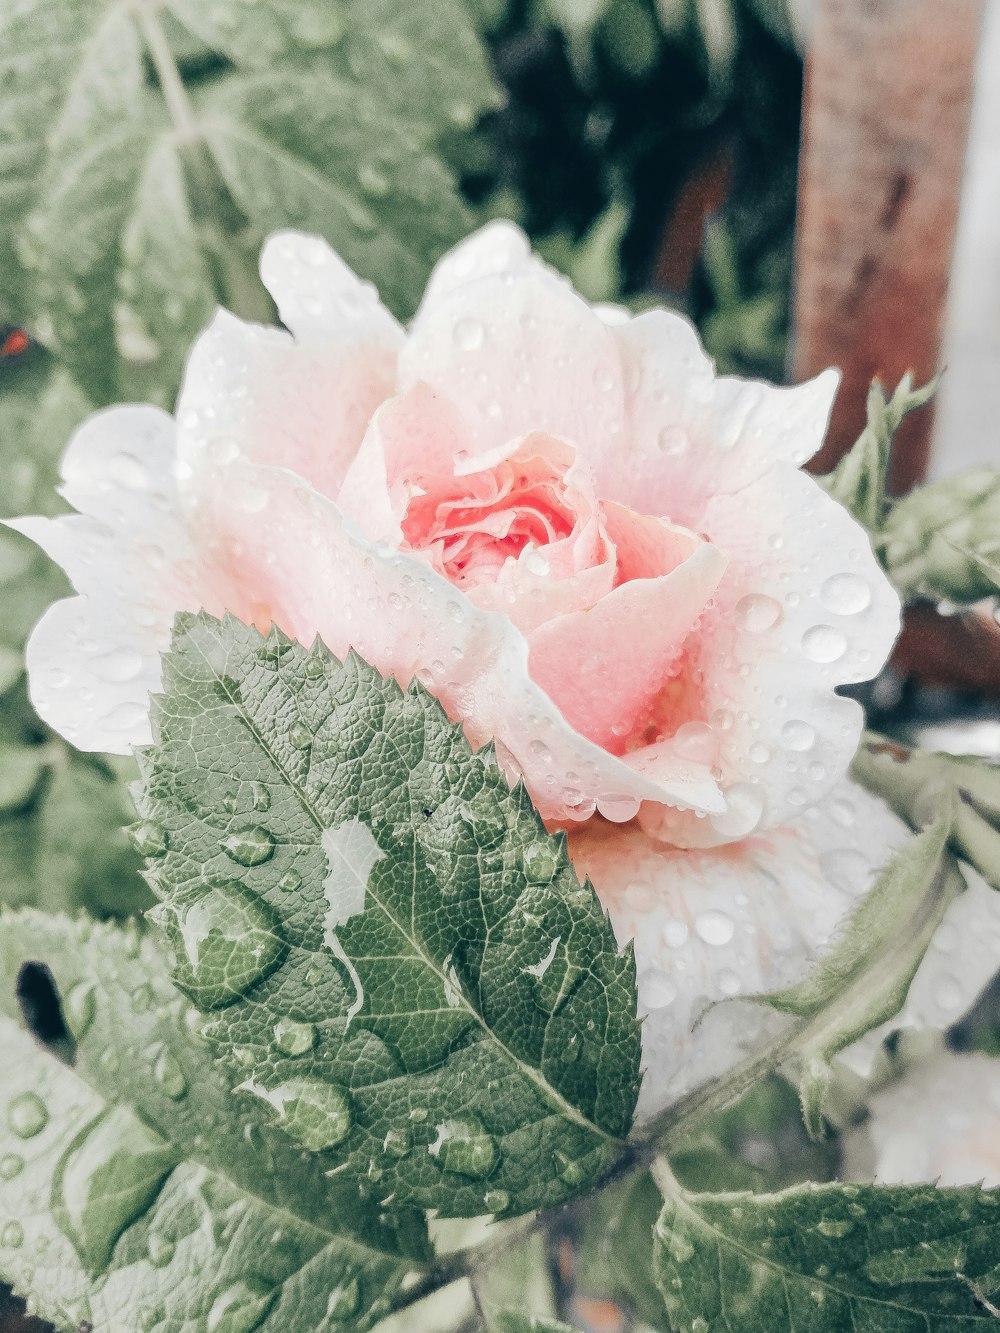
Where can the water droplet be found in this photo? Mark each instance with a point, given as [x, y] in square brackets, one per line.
[675, 933]
[824, 644]
[847, 869]
[714, 927]
[468, 335]
[485, 819]
[79, 1008]
[290, 881]
[250, 846]
[397, 1142]
[846, 595]
[142, 1000]
[11, 1166]
[241, 1308]
[798, 735]
[12, 1236]
[657, 989]
[464, 1147]
[27, 1115]
[315, 667]
[344, 1301]
[225, 942]
[108, 1177]
[317, 1115]
[169, 1075]
[759, 752]
[695, 740]
[294, 1038]
[496, 1201]
[300, 736]
[744, 809]
[569, 1169]
[260, 795]
[539, 861]
[161, 1250]
[757, 612]
[148, 838]
[673, 441]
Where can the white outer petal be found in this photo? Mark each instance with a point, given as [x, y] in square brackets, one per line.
[940, 1122]
[94, 659]
[715, 924]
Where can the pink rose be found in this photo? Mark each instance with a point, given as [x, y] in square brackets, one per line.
[588, 546]
[591, 549]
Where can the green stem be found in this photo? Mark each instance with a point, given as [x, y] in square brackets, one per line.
[168, 76]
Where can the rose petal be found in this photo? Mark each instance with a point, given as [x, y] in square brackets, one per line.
[605, 667]
[693, 435]
[253, 392]
[727, 922]
[93, 660]
[515, 348]
[803, 607]
[302, 558]
[940, 1122]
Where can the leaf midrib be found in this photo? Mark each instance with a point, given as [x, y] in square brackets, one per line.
[533, 1075]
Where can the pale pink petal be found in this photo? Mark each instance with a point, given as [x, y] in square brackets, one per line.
[729, 922]
[253, 392]
[93, 659]
[516, 349]
[606, 667]
[500, 249]
[647, 546]
[312, 571]
[803, 607]
[412, 437]
[691, 435]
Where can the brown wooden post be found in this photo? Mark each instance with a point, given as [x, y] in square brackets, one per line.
[885, 123]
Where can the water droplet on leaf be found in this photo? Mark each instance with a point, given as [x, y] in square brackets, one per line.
[250, 846]
[294, 1038]
[463, 1146]
[148, 838]
[27, 1115]
[317, 1115]
[109, 1176]
[225, 942]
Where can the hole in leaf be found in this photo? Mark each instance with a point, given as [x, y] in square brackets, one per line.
[41, 1007]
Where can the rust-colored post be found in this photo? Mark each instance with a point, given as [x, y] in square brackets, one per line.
[885, 123]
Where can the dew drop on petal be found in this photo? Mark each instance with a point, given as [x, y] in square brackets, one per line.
[798, 735]
[714, 927]
[675, 933]
[758, 612]
[468, 334]
[695, 740]
[673, 441]
[657, 989]
[823, 643]
[846, 594]
[744, 809]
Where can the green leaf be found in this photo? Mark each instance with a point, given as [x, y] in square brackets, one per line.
[615, 1248]
[137, 1192]
[132, 204]
[825, 1258]
[943, 539]
[859, 480]
[863, 980]
[513, 1321]
[334, 855]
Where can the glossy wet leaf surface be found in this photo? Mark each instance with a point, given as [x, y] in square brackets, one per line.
[825, 1258]
[465, 1026]
[136, 1192]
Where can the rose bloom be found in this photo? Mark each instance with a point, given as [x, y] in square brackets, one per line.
[593, 550]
